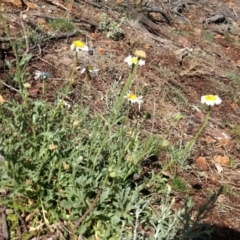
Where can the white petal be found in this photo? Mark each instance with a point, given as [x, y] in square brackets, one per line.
[85, 48]
[141, 62]
[219, 100]
[128, 60]
[72, 47]
[83, 70]
[202, 99]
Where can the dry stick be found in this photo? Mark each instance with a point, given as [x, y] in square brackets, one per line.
[57, 4]
[158, 10]
[236, 15]
[76, 20]
[91, 3]
[63, 35]
[5, 229]
[8, 86]
[215, 19]
[24, 226]
[89, 210]
[8, 39]
[35, 27]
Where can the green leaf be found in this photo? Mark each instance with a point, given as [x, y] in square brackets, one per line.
[25, 59]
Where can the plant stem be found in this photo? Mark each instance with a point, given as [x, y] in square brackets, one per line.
[120, 100]
[191, 142]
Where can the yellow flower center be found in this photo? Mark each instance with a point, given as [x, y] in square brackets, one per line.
[132, 96]
[134, 60]
[78, 44]
[211, 98]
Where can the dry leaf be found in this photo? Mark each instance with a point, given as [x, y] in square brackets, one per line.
[201, 162]
[217, 36]
[16, 3]
[222, 160]
[198, 32]
[234, 106]
[199, 117]
[146, 46]
[223, 144]
[2, 100]
[219, 167]
[69, 5]
[94, 35]
[41, 21]
[52, 147]
[101, 51]
[208, 140]
[218, 134]
[31, 5]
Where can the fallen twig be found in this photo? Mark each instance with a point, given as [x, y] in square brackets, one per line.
[91, 3]
[63, 35]
[5, 229]
[89, 209]
[158, 10]
[220, 18]
[8, 86]
[23, 224]
[85, 21]
[76, 20]
[8, 39]
[35, 27]
[56, 3]
[180, 7]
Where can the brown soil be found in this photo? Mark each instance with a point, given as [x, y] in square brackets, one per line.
[196, 58]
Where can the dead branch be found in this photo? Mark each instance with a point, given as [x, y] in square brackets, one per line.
[56, 3]
[63, 35]
[163, 30]
[158, 10]
[180, 7]
[76, 20]
[9, 87]
[8, 39]
[220, 18]
[91, 3]
[35, 27]
[89, 209]
[5, 229]
[85, 21]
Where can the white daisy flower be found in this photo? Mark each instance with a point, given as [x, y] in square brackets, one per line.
[134, 99]
[211, 100]
[130, 60]
[41, 75]
[79, 45]
[64, 103]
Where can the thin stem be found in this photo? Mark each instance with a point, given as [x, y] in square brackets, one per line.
[120, 100]
[191, 142]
